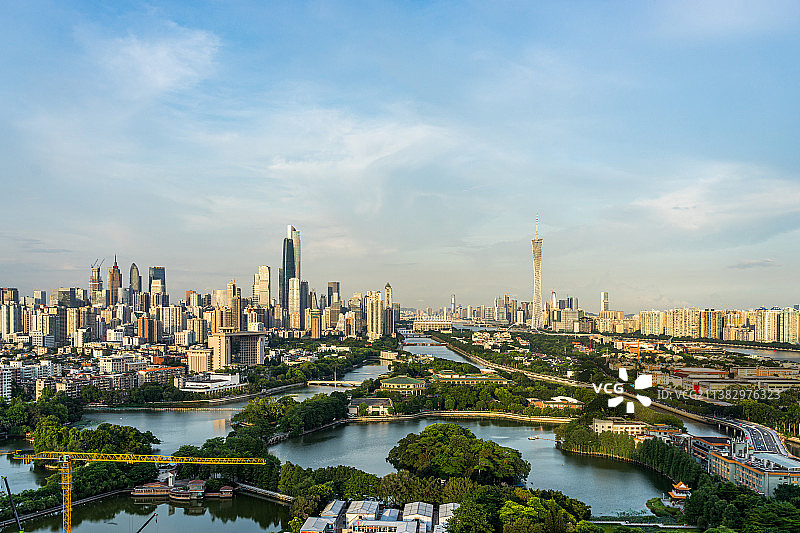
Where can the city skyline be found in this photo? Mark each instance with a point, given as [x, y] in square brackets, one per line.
[656, 140]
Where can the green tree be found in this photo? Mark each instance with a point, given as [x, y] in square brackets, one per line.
[449, 450]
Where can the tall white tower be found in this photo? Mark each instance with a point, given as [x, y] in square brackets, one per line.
[537, 278]
[603, 301]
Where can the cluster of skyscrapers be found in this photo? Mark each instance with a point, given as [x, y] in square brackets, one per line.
[132, 316]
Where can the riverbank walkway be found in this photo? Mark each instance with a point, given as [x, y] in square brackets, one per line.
[466, 414]
[283, 498]
[641, 524]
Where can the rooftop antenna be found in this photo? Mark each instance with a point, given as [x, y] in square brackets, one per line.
[537, 225]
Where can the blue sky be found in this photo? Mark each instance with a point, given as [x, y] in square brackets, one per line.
[412, 142]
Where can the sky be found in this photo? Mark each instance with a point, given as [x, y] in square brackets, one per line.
[411, 142]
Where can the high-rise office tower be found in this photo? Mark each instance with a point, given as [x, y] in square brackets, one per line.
[40, 297]
[159, 273]
[303, 304]
[294, 235]
[452, 304]
[95, 280]
[261, 289]
[287, 271]
[536, 320]
[603, 301]
[114, 281]
[312, 299]
[134, 279]
[333, 288]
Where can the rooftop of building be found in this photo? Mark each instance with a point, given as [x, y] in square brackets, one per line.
[392, 515]
[315, 524]
[402, 380]
[370, 401]
[564, 399]
[381, 525]
[714, 441]
[333, 508]
[418, 509]
[446, 510]
[363, 507]
[781, 461]
[481, 377]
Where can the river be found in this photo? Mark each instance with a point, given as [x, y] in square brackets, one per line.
[608, 486]
[780, 355]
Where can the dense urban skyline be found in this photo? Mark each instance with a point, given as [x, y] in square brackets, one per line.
[657, 141]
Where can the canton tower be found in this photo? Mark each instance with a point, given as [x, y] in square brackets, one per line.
[537, 278]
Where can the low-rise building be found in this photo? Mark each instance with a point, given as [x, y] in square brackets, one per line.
[361, 510]
[701, 448]
[317, 524]
[405, 385]
[209, 383]
[557, 402]
[373, 406]
[765, 371]
[420, 511]
[619, 425]
[445, 514]
[680, 492]
[163, 375]
[452, 378]
[383, 526]
[335, 511]
[761, 472]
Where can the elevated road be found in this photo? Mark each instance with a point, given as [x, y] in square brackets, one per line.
[760, 438]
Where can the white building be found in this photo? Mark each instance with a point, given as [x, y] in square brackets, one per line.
[6, 379]
[421, 511]
[361, 510]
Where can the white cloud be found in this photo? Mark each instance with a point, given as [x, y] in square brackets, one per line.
[713, 19]
[739, 201]
[143, 66]
[754, 263]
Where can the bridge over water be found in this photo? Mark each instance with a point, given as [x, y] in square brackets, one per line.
[334, 383]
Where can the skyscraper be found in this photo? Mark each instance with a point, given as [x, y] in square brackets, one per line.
[95, 280]
[159, 273]
[114, 281]
[294, 307]
[294, 234]
[374, 315]
[603, 301]
[261, 288]
[389, 318]
[135, 280]
[287, 270]
[536, 244]
[303, 304]
[333, 288]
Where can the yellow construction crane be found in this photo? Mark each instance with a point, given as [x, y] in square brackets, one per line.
[65, 460]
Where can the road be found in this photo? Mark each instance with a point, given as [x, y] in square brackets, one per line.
[761, 439]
